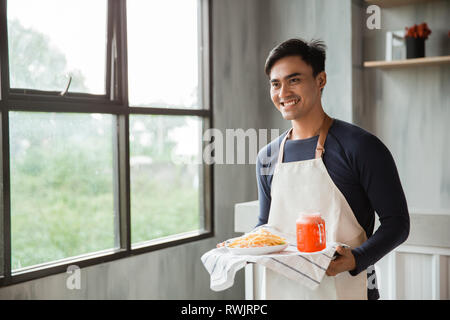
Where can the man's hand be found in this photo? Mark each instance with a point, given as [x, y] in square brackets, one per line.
[344, 262]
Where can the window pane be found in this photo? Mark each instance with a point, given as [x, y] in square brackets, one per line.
[165, 175]
[51, 39]
[61, 186]
[163, 53]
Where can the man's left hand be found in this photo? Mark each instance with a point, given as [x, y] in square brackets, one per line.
[344, 262]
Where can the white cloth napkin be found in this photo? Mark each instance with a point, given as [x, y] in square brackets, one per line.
[305, 268]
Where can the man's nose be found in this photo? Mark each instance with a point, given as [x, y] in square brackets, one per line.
[284, 91]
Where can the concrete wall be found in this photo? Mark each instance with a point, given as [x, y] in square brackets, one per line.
[409, 108]
[328, 20]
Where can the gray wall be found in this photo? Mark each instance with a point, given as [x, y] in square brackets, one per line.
[329, 20]
[409, 108]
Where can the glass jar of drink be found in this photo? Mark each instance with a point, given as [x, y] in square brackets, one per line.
[311, 236]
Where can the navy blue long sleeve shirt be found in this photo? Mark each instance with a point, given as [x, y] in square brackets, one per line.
[364, 170]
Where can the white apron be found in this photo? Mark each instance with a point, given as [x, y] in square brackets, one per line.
[305, 186]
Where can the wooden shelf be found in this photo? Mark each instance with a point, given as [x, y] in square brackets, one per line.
[394, 3]
[427, 61]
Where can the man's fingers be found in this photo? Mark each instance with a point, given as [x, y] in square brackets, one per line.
[330, 271]
[340, 249]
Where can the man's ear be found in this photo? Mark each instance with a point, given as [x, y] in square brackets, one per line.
[321, 79]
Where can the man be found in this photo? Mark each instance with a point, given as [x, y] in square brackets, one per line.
[331, 166]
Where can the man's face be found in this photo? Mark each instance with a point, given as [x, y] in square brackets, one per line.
[293, 88]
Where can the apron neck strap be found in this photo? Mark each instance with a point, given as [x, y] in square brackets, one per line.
[326, 124]
[323, 132]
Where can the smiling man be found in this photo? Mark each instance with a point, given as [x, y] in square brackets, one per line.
[328, 166]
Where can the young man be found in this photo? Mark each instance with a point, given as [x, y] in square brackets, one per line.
[330, 166]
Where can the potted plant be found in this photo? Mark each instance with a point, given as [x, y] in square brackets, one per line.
[415, 37]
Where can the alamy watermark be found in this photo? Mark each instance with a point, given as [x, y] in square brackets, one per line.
[372, 274]
[374, 20]
[74, 280]
[235, 146]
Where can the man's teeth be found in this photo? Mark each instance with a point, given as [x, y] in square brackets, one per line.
[290, 102]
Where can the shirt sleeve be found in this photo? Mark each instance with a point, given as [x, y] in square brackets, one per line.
[379, 177]
[264, 197]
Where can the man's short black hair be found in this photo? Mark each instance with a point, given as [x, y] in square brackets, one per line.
[313, 53]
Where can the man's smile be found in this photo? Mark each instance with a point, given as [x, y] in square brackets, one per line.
[289, 103]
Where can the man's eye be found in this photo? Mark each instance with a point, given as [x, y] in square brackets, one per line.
[275, 85]
[294, 80]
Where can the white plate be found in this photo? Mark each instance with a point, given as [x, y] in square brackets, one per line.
[257, 250]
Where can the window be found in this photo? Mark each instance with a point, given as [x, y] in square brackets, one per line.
[48, 46]
[165, 191]
[163, 65]
[61, 186]
[104, 106]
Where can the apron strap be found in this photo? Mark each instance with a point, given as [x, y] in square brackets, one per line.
[320, 150]
[281, 152]
[327, 122]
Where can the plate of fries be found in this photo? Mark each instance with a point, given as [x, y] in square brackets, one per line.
[258, 242]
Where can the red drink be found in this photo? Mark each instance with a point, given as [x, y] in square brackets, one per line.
[310, 233]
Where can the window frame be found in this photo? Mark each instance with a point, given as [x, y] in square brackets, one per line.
[114, 102]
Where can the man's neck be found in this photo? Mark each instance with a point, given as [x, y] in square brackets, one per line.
[309, 125]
